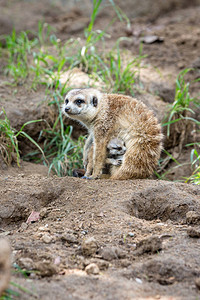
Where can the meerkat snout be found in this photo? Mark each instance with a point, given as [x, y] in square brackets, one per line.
[67, 109]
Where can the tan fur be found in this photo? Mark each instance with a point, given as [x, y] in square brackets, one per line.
[121, 117]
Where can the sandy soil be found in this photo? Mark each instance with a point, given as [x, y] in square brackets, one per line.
[135, 239]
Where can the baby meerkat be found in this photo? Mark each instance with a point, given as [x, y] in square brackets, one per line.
[109, 116]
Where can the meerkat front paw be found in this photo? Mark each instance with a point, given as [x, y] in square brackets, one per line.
[114, 161]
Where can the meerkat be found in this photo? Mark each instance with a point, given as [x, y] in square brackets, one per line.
[108, 116]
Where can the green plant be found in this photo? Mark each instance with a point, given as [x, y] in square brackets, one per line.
[181, 111]
[195, 162]
[120, 76]
[9, 147]
[11, 294]
[18, 48]
[180, 108]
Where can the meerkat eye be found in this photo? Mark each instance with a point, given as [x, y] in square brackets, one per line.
[66, 101]
[79, 101]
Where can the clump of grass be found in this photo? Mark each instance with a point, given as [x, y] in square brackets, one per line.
[181, 107]
[18, 48]
[195, 162]
[9, 146]
[120, 77]
[180, 115]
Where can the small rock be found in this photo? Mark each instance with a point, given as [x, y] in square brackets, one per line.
[197, 283]
[43, 212]
[26, 263]
[110, 253]
[193, 232]
[89, 246]
[138, 280]
[24, 226]
[152, 244]
[125, 263]
[57, 260]
[69, 238]
[43, 228]
[46, 238]
[46, 268]
[192, 217]
[101, 263]
[150, 39]
[84, 232]
[92, 269]
[131, 234]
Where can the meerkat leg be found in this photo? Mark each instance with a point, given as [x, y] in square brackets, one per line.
[99, 159]
[86, 150]
[89, 167]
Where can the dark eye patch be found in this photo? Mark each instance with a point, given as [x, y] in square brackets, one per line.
[79, 101]
[66, 101]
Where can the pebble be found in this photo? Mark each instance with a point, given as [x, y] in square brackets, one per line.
[89, 246]
[24, 226]
[138, 280]
[131, 234]
[26, 263]
[43, 228]
[101, 263]
[92, 269]
[46, 238]
[43, 212]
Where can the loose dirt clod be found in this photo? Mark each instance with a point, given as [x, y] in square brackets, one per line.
[152, 244]
[69, 238]
[46, 268]
[193, 232]
[26, 263]
[92, 269]
[110, 253]
[46, 238]
[192, 217]
[4, 265]
[89, 246]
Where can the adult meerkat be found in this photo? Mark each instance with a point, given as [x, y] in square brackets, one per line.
[109, 116]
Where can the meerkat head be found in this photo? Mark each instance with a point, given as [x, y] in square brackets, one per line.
[116, 147]
[82, 104]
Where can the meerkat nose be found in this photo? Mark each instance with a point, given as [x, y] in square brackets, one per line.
[67, 109]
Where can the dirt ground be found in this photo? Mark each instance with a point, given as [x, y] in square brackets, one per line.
[134, 239]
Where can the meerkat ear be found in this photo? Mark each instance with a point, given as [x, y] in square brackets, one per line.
[94, 101]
